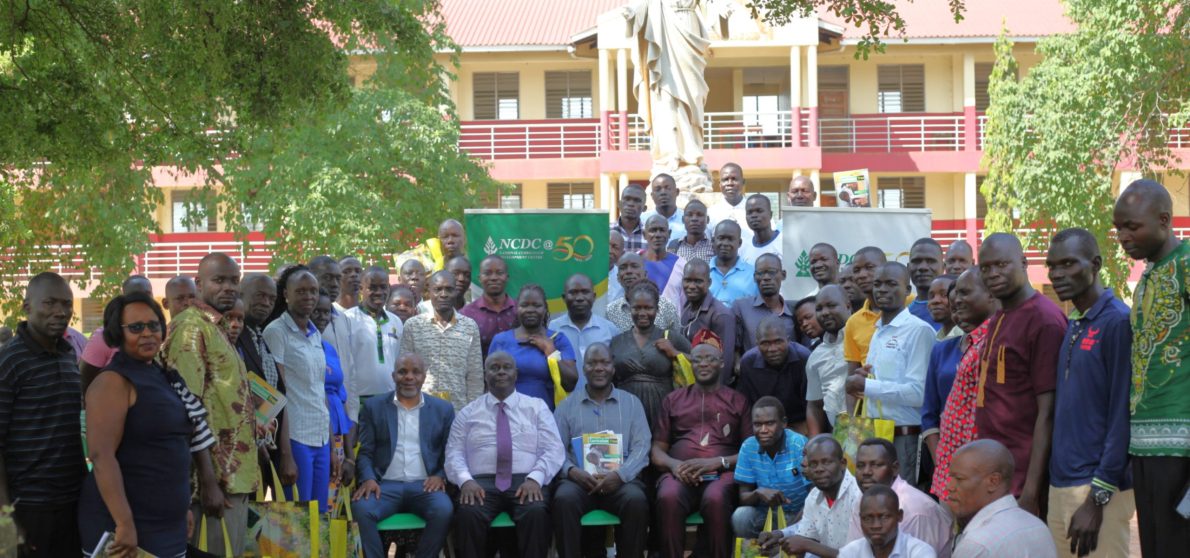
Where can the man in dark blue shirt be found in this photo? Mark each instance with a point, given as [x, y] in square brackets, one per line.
[925, 265]
[1090, 499]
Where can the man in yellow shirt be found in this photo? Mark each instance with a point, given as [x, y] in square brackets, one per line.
[861, 325]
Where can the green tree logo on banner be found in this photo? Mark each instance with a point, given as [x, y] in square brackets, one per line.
[489, 247]
[803, 265]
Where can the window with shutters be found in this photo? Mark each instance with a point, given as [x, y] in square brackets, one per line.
[507, 196]
[571, 195]
[901, 88]
[568, 95]
[983, 74]
[92, 314]
[901, 192]
[190, 214]
[496, 95]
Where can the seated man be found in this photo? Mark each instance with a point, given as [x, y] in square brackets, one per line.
[699, 432]
[880, 514]
[826, 519]
[979, 492]
[597, 407]
[402, 440]
[493, 473]
[769, 470]
[876, 465]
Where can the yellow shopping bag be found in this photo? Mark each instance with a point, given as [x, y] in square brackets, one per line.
[682, 371]
[851, 430]
[556, 375]
[750, 548]
[202, 537]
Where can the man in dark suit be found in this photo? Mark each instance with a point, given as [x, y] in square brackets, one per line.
[402, 439]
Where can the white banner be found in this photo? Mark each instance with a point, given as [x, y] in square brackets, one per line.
[848, 230]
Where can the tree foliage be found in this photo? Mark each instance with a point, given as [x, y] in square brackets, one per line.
[879, 18]
[95, 93]
[1102, 98]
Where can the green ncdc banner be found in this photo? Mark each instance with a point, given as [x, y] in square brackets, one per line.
[542, 246]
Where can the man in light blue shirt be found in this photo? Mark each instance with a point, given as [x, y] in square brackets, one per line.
[578, 324]
[731, 276]
[665, 204]
[894, 379]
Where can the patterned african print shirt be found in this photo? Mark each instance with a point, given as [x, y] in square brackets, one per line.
[214, 372]
[958, 414]
[1161, 358]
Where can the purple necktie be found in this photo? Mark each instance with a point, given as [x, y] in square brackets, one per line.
[503, 449]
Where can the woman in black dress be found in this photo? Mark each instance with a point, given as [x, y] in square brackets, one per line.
[644, 355]
[143, 426]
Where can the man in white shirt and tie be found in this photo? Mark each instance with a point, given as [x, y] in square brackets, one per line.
[503, 448]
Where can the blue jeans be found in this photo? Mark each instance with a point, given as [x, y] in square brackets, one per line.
[435, 508]
[314, 473]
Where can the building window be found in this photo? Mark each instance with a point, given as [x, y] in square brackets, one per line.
[765, 95]
[496, 96]
[983, 74]
[568, 95]
[571, 195]
[251, 221]
[189, 214]
[507, 196]
[901, 88]
[901, 192]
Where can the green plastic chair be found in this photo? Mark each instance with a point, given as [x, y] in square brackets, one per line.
[694, 519]
[599, 518]
[502, 521]
[401, 522]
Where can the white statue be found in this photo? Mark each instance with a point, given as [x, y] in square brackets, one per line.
[670, 56]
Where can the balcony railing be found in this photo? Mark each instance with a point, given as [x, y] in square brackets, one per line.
[170, 258]
[888, 134]
[545, 139]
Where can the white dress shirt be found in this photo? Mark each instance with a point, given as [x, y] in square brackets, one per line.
[537, 450]
[826, 373]
[722, 211]
[1002, 528]
[374, 352]
[905, 547]
[407, 464]
[829, 525]
[925, 519]
[300, 352]
[899, 354]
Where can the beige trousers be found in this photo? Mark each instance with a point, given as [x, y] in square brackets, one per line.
[1114, 532]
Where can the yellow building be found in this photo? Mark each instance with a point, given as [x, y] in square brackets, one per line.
[544, 92]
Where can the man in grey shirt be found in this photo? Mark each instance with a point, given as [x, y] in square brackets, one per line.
[980, 496]
[594, 408]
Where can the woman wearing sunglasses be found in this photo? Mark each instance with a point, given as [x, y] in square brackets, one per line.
[143, 427]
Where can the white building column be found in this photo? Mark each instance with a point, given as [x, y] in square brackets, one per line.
[812, 92]
[971, 208]
[605, 86]
[622, 79]
[816, 178]
[795, 94]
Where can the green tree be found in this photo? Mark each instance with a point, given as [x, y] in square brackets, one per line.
[1102, 98]
[95, 93]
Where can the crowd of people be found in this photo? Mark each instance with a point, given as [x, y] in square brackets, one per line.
[1015, 430]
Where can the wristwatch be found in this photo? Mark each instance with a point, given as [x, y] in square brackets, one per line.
[556, 355]
[1101, 496]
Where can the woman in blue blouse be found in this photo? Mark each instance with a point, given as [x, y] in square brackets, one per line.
[532, 345]
[336, 393]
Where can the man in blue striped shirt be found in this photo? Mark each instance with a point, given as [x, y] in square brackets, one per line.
[769, 470]
[41, 453]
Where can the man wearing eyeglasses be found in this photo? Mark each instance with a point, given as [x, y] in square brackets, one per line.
[216, 374]
[749, 312]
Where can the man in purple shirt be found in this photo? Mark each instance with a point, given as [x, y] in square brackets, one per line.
[495, 311]
[695, 447]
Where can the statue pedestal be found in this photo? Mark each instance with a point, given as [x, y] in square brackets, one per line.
[693, 182]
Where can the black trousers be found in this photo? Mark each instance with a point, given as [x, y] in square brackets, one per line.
[472, 523]
[51, 531]
[571, 502]
[1160, 483]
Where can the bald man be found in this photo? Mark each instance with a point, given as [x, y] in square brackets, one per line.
[801, 192]
[41, 465]
[629, 224]
[980, 497]
[214, 371]
[1016, 403]
[403, 470]
[765, 239]
[826, 371]
[1160, 443]
[453, 242]
[862, 323]
[959, 257]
